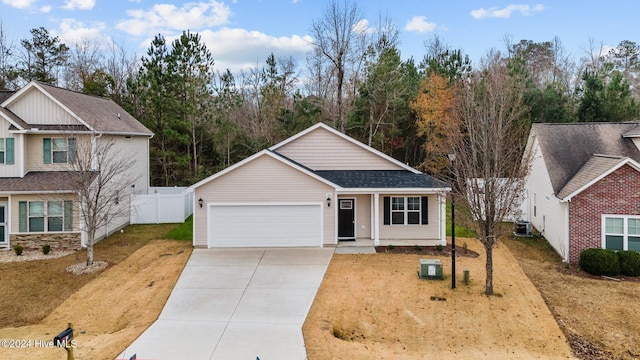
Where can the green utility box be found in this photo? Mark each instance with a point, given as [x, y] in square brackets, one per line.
[430, 269]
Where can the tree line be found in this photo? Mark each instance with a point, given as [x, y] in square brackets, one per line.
[353, 79]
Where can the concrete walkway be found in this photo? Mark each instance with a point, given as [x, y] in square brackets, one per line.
[237, 304]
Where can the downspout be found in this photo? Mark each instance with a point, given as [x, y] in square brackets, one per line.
[565, 239]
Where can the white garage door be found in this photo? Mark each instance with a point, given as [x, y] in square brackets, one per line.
[265, 225]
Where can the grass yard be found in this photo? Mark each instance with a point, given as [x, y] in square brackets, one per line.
[374, 306]
[598, 316]
[108, 310]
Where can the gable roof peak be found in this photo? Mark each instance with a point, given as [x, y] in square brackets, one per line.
[321, 125]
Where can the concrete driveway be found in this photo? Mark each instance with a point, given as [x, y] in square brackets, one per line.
[237, 304]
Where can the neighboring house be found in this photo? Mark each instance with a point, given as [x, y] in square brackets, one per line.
[583, 190]
[314, 189]
[42, 128]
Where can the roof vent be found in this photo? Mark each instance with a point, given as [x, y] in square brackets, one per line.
[118, 115]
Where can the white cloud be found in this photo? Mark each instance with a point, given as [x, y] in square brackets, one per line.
[76, 32]
[20, 4]
[362, 27]
[240, 49]
[79, 4]
[168, 17]
[506, 12]
[420, 24]
[45, 9]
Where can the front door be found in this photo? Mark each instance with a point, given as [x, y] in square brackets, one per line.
[346, 219]
[4, 237]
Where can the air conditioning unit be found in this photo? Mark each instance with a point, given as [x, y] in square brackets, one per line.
[522, 228]
[430, 269]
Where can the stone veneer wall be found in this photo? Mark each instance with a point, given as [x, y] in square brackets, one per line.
[58, 241]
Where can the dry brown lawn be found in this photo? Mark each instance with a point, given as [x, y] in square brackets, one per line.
[599, 316]
[375, 307]
[109, 310]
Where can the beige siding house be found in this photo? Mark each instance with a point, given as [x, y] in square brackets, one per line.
[44, 130]
[317, 188]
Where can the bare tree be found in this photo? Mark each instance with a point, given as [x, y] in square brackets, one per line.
[6, 54]
[102, 175]
[488, 173]
[334, 37]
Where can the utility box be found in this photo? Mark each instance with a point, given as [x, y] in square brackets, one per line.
[430, 269]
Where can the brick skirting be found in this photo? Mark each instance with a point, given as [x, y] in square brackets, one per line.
[61, 241]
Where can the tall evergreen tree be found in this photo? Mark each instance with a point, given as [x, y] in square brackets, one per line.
[43, 56]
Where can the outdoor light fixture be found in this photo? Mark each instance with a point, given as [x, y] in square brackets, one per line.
[200, 202]
[328, 201]
[452, 158]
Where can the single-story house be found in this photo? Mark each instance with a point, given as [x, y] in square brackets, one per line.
[316, 188]
[583, 189]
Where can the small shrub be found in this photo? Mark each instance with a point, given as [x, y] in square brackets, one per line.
[465, 247]
[629, 263]
[417, 247]
[390, 247]
[439, 247]
[18, 249]
[600, 262]
[46, 248]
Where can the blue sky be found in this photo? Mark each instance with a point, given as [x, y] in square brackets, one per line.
[241, 33]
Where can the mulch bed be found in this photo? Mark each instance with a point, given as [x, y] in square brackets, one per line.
[427, 250]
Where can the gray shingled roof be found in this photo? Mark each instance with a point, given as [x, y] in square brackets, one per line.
[566, 149]
[380, 179]
[5, 94]
[100, 113]
[592, 169]
[43, 181]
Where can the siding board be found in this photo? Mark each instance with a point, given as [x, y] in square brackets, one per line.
[264, 179]
[322, 150]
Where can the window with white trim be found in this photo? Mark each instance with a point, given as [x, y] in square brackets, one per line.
[45, 216]
[6, 151]
[621, 232]
[405, 210]
[59, 150]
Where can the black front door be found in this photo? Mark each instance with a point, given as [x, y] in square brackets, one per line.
[346, 219]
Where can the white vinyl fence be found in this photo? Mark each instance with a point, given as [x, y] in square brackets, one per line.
[162, 205]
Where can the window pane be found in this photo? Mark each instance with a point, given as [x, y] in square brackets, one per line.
[36, 224]
[54, 208]
[614, 225]
[54, 224]
[36, 208]
[413, 217]
[59, 157]
[397, 218]
[634, 226]
[59, 144]
[397, 203]
[1, 144]
[633, 243]
[413, 203]
[613, 242]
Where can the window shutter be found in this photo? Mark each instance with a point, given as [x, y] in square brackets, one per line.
[68, 215]
[9, 151]
[424, 206]
[387, 210]
[22, 216]
[72, 150]
[46, 150]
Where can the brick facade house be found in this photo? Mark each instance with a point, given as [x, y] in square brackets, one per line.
[583, 190]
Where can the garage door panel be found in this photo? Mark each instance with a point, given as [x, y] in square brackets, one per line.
[265, 225]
